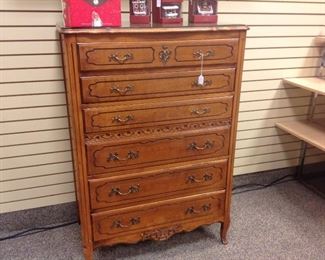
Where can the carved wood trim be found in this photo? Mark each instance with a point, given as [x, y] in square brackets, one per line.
[137, 238]
[161, 234]
[154, 130]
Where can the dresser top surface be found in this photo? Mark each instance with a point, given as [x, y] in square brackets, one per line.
[155, 28]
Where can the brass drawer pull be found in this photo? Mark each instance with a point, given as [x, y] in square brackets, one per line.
[118, 119]
[130, 156]
[122, 60]
[200, 54]
[207, 145]
[193, 179]
[122, 92]
[200, 112]
[117, 191]
[192, 210]
[206, 83]
[164, 54]
[133, 221]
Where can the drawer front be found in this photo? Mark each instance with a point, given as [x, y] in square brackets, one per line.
[111, 56]
[106, 158]
[122, 55]
[112, 223]
[109, 118]
[154, 184]
[221, 51]
[141, 86]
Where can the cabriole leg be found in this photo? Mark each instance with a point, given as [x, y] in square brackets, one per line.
[88, 253]
[223, 232]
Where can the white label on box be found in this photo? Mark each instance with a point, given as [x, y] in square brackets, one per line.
[158, 3]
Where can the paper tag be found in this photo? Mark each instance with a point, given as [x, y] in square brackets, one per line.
[200, 80]
[96, 21]
[158, 3]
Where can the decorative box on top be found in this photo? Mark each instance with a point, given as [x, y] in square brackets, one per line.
[91, 13]
[203, 11]
[167, 11]
[140, 11]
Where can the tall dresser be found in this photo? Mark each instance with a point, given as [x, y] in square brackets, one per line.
[153, 144]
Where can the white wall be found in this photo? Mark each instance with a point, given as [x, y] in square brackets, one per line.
[35, 149]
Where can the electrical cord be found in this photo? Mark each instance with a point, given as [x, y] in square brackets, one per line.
[257, 186]
[32, 231]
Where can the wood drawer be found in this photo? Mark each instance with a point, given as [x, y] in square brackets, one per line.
[126, 116]
[154, 184]
[141, 86]
[104, 158]
[108, 224]
[122, 55]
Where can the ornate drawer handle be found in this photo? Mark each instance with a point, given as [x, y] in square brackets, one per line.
[192, 210]
[122, 92]
[206, 83]
[115, 157]
[207, 145]
[200, 54]
[116, 58]
[193, 179]
[164, 54]
[118, 119]
[133, 221]
[132, 189]
[200, 112]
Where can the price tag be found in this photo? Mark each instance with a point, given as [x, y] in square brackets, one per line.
[200, 80]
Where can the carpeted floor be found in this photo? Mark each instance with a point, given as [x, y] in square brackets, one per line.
[286, 221]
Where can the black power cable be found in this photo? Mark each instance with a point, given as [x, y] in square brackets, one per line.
[35, 230]
[257, 186]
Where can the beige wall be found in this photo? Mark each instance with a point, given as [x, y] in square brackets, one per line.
[35, 150]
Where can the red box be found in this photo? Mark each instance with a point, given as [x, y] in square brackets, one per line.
[210, 15]
[140, 11]
[91, 13]
[161, 9]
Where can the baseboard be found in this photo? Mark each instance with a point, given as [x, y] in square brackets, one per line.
[67, 212]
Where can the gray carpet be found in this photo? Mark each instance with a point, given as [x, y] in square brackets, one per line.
[286, 221]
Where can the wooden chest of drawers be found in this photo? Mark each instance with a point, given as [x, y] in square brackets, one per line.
[153, 149]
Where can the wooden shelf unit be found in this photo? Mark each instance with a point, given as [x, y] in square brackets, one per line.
[315, 85]
[309, 131]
